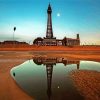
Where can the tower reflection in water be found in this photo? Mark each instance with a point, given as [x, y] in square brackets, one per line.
[49, 63]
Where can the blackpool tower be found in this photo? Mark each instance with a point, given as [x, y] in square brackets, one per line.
[49, 32]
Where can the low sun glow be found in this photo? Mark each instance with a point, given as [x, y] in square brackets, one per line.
[58, 14]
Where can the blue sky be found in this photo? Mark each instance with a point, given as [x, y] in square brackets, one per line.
[69, 18]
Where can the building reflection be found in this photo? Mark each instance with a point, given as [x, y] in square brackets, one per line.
[49, 62]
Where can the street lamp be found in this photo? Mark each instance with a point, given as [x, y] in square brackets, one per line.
[13, 32]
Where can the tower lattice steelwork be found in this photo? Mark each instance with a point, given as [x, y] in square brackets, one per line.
[49, 69]
[49, 32]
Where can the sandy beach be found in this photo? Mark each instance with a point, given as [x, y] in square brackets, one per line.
[9, 90]
[80, 55]
[87, 83]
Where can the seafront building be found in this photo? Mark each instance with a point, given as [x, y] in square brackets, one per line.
[50, 40]
[13, 43]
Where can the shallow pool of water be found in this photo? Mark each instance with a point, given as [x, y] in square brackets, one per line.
[48, 78]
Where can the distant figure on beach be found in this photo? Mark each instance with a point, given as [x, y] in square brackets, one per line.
[14, 74]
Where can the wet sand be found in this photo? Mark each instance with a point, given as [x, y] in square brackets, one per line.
[87, 83]
[9, 90]
[93, 56]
